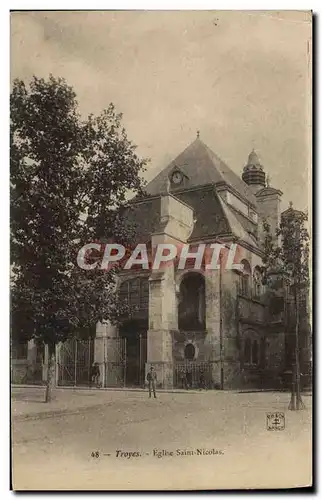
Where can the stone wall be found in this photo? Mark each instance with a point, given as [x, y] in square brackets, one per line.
[269, 208]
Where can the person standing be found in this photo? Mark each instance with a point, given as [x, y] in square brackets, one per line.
[152, 378]
[188, 378]
[183, 379]
[202, 381]
[95, 377]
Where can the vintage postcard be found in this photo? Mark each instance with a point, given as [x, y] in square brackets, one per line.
[160, 176]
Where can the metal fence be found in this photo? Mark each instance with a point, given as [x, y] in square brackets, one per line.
[74, 363]
[113, 361]
[75, 359]
[122, 360]
[193, 375]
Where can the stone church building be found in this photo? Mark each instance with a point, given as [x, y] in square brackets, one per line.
[215, 325]
[217, 328]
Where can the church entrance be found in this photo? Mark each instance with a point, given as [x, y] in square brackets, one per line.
[135, 334]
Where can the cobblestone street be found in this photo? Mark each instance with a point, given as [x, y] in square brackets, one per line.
[212, 439]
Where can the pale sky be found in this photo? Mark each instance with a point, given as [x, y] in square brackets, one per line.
[241, 78]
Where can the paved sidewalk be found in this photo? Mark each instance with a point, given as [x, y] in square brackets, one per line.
[28, 402]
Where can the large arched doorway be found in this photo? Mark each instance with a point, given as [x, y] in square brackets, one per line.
[192, 303]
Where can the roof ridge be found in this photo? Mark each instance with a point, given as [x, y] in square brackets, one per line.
[202, 166]
[211, 153]
[225, 164]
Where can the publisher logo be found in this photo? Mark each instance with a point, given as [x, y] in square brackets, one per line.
[275, 421]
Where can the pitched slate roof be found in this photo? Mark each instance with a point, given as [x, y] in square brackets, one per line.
[237, 225]
[248, 225]
[209, 215]
[202, 166]
[213, 217]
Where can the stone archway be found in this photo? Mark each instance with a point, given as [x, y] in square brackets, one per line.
[192, 303]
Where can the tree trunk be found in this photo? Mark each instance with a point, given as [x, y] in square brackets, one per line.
[296, 402]
[293, 389]
[299, 402]
[51, 371]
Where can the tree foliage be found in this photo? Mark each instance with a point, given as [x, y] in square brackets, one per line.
[287, 254]
[70, 181]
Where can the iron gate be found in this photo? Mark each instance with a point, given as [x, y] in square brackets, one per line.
[191, 374]
[124, 361]
[75, 359]
[114, 364]
[120, 365]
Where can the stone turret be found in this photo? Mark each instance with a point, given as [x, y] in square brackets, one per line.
[253, 173]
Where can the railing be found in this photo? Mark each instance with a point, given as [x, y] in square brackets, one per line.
[75, 359]
[193, 375]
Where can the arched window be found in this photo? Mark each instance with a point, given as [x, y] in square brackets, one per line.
[192, 305]
[257, 283]
[189, 352]
[252, 352]
[245, 277]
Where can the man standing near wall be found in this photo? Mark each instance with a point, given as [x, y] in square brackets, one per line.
[152, 378]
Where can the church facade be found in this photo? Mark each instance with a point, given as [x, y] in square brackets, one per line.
[210, 327]
[218, 328]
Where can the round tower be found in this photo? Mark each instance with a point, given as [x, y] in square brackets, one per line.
[253, 173]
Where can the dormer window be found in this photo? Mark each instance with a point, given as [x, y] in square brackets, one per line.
[177, 177]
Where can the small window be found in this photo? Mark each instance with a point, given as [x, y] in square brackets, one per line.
[189, 352]
[251, 352]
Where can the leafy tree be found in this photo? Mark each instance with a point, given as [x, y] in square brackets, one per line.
[70, 179]
[287, 256]
[112, 175]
